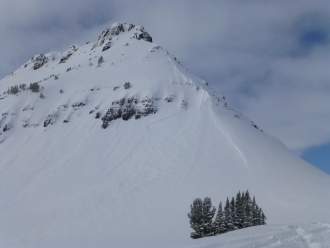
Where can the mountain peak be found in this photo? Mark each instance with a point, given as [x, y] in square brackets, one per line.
[116, 136]
[106, 37]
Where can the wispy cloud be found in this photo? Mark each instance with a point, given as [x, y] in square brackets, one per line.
[270, 58]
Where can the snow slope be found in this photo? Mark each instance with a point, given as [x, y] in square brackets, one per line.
[307, 235]
[66, 180]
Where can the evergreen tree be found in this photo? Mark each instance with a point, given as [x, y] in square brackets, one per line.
[233, 213]
[239, 211]
[255, 213]
[196, 218]
[100, 61]
[263, 218]
[219, 222]
[34, 87]
[228, 218]
[248, 211]
[243, 209]
[201, 215]
[208, 214]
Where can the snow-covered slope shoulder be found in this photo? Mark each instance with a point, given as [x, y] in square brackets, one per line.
[112, 141]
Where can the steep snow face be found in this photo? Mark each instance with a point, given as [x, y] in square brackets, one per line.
[119, 139]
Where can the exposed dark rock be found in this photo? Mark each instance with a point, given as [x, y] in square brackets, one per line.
[65, 57]
[169, 98]
[39, 61]
[131, 26]
[129, 112]
[107, 46]
[5, 128]
[47, 121]
[145, 36]
[77, 105]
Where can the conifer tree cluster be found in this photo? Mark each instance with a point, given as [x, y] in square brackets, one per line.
[239, 212]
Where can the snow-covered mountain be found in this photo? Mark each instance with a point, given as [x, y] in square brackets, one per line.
[120, 138]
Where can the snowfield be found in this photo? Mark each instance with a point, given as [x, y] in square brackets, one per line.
[93, 164]
[315, 235]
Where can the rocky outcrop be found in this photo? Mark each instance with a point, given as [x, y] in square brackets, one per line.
[129, 108]
[39, 61]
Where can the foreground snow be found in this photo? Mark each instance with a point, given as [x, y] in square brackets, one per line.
[314, 235]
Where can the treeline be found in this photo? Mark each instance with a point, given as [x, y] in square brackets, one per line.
[238, 213]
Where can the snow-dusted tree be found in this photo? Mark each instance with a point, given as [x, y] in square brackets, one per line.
[42, 96]
[228, 217]
[196, 219]
[14, 89]
[100, 61]
[239, 211]
[61, 91]
[201, 215]
[22, 86]
[219, 222]
[255, 213]
[263, 218]
[233, 213]
[208, 214]
[34, 87]
[247, 210]
[127, 85]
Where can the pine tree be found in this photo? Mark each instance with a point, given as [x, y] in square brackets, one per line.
[248, 211]
[219, 223]
[255, 213]
[196, 218]
[100, 61]
[201, 215]
[233, 213]
[263, 218]
[208, 214]
[239, 211]
[34, 87]
[228, 217]
[243, 209]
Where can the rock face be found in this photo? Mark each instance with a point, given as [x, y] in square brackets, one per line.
[39, 61]
[127, 144]
[67, 54]
[115, 29]
[126, 109]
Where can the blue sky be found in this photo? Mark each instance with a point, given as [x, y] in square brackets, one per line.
[269, 58]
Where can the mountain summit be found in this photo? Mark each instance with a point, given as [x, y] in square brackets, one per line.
[110, 142]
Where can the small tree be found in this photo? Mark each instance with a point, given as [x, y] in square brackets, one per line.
[101, 60]
[208, 214]
[263, 218]
[219, 222]
[61, 91]
[228, 217]
[247, 210]
[239, 211]
[233, 214]
[127, 85]
[34, 87]
[196, 218]
[14, 89]
[42, 96]
[201, 215]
